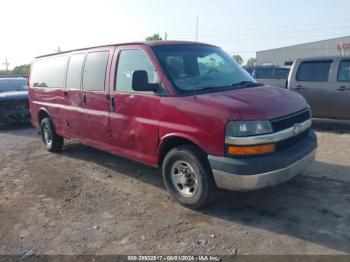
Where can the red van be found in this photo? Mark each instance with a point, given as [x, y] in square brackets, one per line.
[186, 107]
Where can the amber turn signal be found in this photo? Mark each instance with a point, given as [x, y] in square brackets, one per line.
[250, 150]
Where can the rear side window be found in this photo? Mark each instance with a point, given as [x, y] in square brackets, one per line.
[273, 73]
[281, 73]
[95, 71]
[49, 72]
[130, 61]
[344, 71]
[314, 71]
[75, 67]
[265, 74]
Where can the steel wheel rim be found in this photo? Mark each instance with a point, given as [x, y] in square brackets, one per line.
[47, 135]
[184, 178]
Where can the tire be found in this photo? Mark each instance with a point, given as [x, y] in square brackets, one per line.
[51, 139]
[187, 176]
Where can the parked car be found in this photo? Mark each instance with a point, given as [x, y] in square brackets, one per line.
[270, 75]
[325, 84]
[186, 107]
[14, 100]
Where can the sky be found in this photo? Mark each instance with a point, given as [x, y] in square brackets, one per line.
[37, 27]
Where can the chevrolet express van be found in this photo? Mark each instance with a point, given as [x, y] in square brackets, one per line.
[186, 107]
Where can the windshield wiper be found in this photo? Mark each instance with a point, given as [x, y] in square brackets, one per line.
[215, 88]
[247, 84]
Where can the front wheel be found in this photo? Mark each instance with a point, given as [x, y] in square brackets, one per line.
[187, 176]
[51, 139]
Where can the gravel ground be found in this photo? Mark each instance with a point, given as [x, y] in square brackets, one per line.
[85, 201]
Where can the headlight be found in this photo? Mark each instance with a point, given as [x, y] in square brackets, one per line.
[248, 128]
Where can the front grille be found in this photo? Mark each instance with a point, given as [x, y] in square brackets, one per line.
[288, 121]
[287, 143]
[14, 105]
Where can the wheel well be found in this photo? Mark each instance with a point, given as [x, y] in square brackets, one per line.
[171, 143]
[41, 115]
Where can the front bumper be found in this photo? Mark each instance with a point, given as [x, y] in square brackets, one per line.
[250, 173]
[14, 115]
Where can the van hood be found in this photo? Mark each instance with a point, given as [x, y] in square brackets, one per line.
[13, 95]
[257, 103]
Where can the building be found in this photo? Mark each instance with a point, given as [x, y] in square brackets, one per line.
[285, 56]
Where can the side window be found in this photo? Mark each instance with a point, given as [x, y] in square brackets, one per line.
[75, 67]
[314, 71]
[129, 61]
[49, 72]
[344, 71]
[95, 71]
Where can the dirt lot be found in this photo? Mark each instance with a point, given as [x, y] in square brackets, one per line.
[84, 201]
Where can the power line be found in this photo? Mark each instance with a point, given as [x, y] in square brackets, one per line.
[6, 64]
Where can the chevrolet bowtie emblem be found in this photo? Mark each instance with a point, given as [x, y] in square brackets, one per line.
[297, 129]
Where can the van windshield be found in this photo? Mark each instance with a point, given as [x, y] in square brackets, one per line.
[201, 67]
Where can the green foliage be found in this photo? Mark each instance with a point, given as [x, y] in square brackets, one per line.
[22, 69]
[18, 70]
[153, 37]
[238, 59]
[251, 62]
[5, 72]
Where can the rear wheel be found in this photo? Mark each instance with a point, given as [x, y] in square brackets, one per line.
[187, 176]
[51, 139]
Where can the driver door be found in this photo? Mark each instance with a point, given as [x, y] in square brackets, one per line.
[134, 115]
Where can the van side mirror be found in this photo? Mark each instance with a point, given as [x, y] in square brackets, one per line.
[140, 82]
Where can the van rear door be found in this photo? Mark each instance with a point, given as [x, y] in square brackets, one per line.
[95, 98]
[340, 104]
[311, 79]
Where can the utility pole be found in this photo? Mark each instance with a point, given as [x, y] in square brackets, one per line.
[197, 29]
[6, 64]
[165, 36]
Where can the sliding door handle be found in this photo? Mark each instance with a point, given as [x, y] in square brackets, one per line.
[84, 99]
[112, 103]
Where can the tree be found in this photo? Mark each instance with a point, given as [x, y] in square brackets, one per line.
[238, 59]
[153, 37]
[251, 62]
[18, 70]
[22, 70]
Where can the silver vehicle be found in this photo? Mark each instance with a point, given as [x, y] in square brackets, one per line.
[325, 84]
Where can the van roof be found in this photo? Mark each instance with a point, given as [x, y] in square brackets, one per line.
[149, 43]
